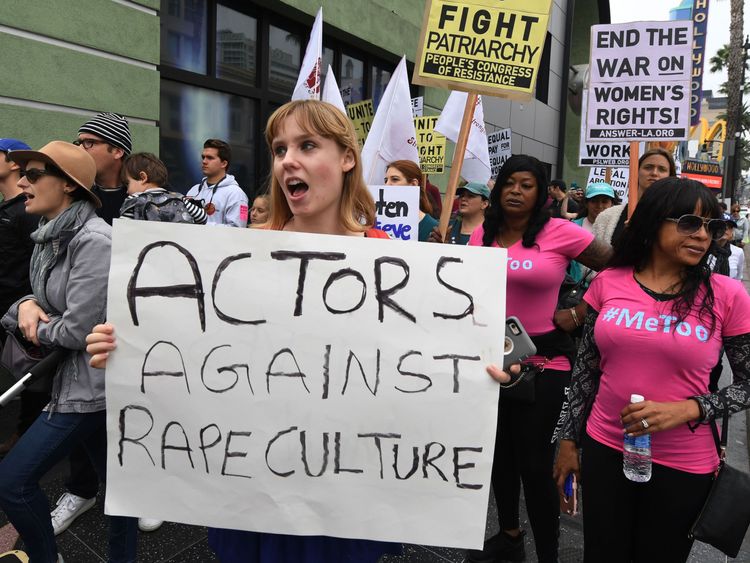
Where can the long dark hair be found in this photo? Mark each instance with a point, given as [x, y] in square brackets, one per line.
[670, 198]
[493, 216]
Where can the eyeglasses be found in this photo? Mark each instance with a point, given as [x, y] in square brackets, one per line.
[34, 174]
[88, 143]
[691, 224]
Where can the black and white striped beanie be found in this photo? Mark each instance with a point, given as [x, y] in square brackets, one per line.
[111, 127]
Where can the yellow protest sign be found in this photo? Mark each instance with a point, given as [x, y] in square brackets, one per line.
[482, 46]
[361, 114]
[431, 145]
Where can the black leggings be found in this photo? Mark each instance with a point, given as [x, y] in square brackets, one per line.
[637, 522]
[524, 452]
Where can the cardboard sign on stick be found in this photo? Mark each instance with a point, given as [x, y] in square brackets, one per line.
[640, 81]
[600, 153]
[499, 147]
[431, 145]
[362, 115]
[283, 381]
[482, 46]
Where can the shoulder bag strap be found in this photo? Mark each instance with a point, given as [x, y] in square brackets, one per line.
[721, 442]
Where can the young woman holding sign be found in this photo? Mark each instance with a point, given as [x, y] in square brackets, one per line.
[656, 323]
[316, 187]
[539, 251]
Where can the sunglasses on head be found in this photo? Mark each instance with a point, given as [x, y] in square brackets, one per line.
[34, 174]
[691, 224]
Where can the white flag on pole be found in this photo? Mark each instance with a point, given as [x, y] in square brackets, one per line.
[331, 92]
[392, 135]
[476, 166]
[308, 83]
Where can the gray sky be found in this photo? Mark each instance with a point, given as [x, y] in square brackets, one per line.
[658, 10]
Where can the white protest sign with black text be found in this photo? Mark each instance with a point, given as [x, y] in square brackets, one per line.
[397, 210]
[499, 147]
[600, 153]
[303, 384]
[640, 81]
[417, 106]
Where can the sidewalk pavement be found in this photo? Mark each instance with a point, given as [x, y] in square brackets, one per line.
[85, 540]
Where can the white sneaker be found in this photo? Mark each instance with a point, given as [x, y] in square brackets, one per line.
[60, 559]
[69, 507]
[149, 524]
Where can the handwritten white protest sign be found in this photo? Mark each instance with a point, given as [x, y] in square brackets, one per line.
[640, 81]
[303, 384]
[397, 210]
[499, 147]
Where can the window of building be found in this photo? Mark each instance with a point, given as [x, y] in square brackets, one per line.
[286, 58]
[184, 38]
[236, 45]
[380, 79]
[190, 115]
[226, 65]
[542, 79]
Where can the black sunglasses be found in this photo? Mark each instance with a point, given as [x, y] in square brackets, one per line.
[691, 224]
[34, 174]
[88, 143]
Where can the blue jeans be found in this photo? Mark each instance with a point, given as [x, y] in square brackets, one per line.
[46, 442]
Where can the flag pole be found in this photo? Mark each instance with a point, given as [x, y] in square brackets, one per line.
[458, 160]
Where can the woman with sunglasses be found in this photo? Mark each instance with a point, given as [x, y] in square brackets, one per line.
[656, 322]
[653, 165]
[68, 273]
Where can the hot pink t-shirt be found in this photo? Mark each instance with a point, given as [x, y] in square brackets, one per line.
[644, 352]
[535, 275]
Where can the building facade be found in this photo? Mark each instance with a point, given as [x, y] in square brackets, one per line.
[182, 71]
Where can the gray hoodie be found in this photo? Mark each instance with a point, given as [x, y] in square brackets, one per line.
[77, 291]
[228, 198]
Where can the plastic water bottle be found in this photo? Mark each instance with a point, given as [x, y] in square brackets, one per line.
[636, 455]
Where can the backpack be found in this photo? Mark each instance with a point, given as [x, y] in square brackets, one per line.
[162, 206]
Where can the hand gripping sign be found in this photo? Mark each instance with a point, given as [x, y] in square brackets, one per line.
[482, 46]
[284, 381]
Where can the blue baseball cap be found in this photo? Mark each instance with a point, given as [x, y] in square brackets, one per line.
[7, 145]
[599, 188]
[475, 188]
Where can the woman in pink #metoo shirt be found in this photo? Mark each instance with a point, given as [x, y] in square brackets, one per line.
[539, 251]
[656, 323]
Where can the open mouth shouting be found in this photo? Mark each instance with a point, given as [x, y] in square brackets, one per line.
[296, 188]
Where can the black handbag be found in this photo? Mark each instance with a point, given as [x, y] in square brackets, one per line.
[725, 516]
[19, 356]
[571, 293]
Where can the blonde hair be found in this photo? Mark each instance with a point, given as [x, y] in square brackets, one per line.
[356, 207]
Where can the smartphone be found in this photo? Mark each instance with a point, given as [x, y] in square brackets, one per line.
[569, 498]
[518, 345]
